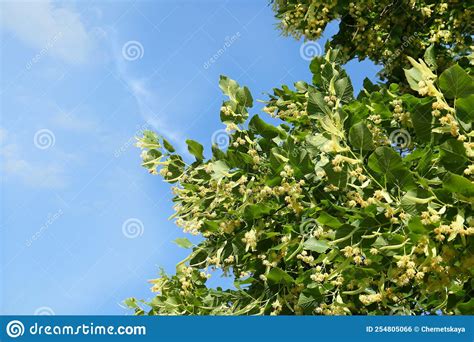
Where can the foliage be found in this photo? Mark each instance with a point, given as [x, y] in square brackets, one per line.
[385, 31]
[349, 206]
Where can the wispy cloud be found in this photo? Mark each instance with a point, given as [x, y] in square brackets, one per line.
[71, 122]
[3, 135]
[43, 25]
[147, 100]
[14, 165]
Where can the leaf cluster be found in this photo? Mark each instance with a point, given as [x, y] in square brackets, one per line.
[348, 206]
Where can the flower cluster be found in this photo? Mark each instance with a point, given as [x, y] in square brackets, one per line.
[250, 239]
[322, 214]
[367, 28]
[370, 299]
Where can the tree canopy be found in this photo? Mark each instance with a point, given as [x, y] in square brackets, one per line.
[349, 205]
[385, 31]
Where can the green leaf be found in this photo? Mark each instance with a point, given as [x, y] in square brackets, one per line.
[278, 276]
[168, 146]
[421, 116]
[175, 167]
[301, 86]
[455, 82]
[317, 140]
[360, 137]
[384, 159]
[131, 303]
[414, 76]
[228, 86]
[261, 127]
[453, 155]
[465, 108]
[254, 211]
[338, 179]
[466, 308]
[183, 242]
[306, 302]
[315, 68]
[328, 220]
[318, 246]
[150, 157]
[415, 226]
[369, 86]
[217, 153]
[150, 140]
[196, 149]
[198, 256]
[389, 165]
[219, 169]
[244, 97]
[238, 283]
[430, 57]
[238, 113]
[316, 103]
[458, 184]
[344, 89]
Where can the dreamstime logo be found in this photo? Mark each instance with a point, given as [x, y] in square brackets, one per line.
[400, 138]
[15, 329]
[308, 225]
[227, 44]
[309, 50]
[49, 222]
[132, 50]
[44, 139]
[220, 138]
[49, 45]
[44, 311]
[132, 228]
[139, 132]
[295, 152]
[407, 41]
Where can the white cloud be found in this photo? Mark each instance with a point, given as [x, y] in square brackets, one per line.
[147, 101]
[37, 175]
[3, 135]
[50, 29]
[71, 122]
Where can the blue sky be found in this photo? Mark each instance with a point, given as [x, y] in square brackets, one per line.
[83, 226]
